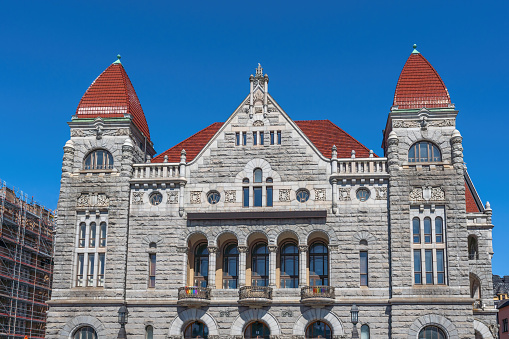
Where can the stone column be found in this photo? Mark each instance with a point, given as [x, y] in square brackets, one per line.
[181, 198]
[457, 150]
[242, 265]
[334, 196]
[184, 250]
[303, 258]
[392, 152]
[272, 265]
[212, 266]
[68, 162]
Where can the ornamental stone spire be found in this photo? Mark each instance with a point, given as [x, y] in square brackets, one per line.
[259, 89]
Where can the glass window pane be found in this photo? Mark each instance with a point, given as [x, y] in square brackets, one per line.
[255, 139]
[269, 196]
[91, 235]
[416, 226]
[429, 266]
[364, 332]
[261, 138]
[423, 150]
[417, 266]
[244, 138]
[272, 137]
[279, 137]
[237, 139]
[439, 230]
[427, 230]
[149, 332]
[246, 196]
[257, 196]
[90, 275]
[411, 154]
[258, 175]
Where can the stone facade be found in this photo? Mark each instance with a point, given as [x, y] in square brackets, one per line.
[140, 227]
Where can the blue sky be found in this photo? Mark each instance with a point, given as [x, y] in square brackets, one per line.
[190, 61]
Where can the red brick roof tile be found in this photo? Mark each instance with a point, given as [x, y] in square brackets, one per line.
[471, 205]
[322, 133]
[112, 95]
[419, 85]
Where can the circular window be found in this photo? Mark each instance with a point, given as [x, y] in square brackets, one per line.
[156, 198]
[213, 197]
[302, 195]
[362, 194]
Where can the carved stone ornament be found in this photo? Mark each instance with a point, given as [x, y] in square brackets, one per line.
[284, 195]
[173, 197]
[137, 198]
[320, 194]
[286, 313]
[437, 193]
[344, 194]
[182, 249]
[242, 249]
[272, 248]
[123, 131]
[196, 197]
[427, 193]
[381, 193]
[272, 109]
[303, 248]
[77, 133]
[494, 330]
[258, 123]
[230, 196]
[86, 200]
[212, 249]
[225, 313]
[423, 123]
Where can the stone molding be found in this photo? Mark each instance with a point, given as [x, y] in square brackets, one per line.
[321, 314]
[435, 320]
[248, 316]
[423, 123]
[185, 317]
[79, 321]
[365, 235]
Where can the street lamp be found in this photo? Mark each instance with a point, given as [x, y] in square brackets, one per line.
[354, 317]
[123, 314]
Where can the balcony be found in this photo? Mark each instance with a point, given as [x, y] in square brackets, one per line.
[192, 296]
[255, 296]
[317, 295]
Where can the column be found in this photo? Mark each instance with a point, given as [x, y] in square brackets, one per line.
[334, 194]
[272, 265]
[303, 258]
[242, 265]
[184, 251]
[212, 266]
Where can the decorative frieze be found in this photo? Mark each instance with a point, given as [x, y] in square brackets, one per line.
[173, 197]
[344, 194]
[286, 313]
[77, 132]
[381, 193]
[427, 193]
[88, 200]
[137, 198]
[284, 195]
[422, 123]
[320, 194]
[196, 197]
[230, 196]
[258, 123]
[225, 313]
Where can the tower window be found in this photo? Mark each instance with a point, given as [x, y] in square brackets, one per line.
[424, 151]
[98, 160]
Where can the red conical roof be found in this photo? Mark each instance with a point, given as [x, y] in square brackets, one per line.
[419, 85]
[112, 95]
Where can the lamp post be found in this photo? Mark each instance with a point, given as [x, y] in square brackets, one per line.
[354, 317]
[123, 314]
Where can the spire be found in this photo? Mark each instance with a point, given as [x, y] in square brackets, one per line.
[259, 71]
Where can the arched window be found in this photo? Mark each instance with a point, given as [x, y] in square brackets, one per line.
[318, 329]
[427, 230]
[472, 248]
[260, 265]
[149, 332]
[289, 264]
[257, 175]
[196, 330]
[416, 227]
[432, 332]
[318, 264]
[230, 266]
[98, 159]
[424, 151]
[364, 332]
[201, 266]
[86, 332]
[439, 230]
[257, 330]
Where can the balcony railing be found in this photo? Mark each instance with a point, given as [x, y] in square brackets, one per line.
[255, 296]
[193, 296]
[317, 295]
[163, 171]
[362, 166]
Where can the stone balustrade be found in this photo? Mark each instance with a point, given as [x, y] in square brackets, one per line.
[359, 167]
[156, 172]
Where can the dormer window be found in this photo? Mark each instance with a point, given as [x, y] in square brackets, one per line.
[98, 160]
[424, 151]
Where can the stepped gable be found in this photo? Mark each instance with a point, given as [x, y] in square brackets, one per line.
[112, 95]
[322, 133]
[419, 85]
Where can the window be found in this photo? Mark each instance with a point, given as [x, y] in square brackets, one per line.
[364, 331]
[213, 197]
[155, 198]
[257, 330]
[318, 329]
[244, 138]
[97, 160]
[260, 265]
[289, 266]
[245, 196]
[90, 252]
[319, 264]
[152, 270]
[427, 230]
[195, 330]
[255, 139]
[86, 332]
[364, 268]
[440, 267]
[237, 139]
[429, 266]
[269, 196]
[362, 194]
[504, 325]
[272, 137]
[417, 267]
[279, 137]
[302, 195]
[261, 139]
[257, 174]
[201, 266]
[149, 332]
[424, 151]
[439, 230]
[472, 248]
[258, 191]
[416, 226]
[431, 332]
[230, 266]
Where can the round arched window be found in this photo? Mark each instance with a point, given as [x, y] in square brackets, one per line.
[365, 332]
[302, 195]
[318, 329]
[196, 330]
[201, 265]
[432, 332]
[257, 330]
[86, 332]
[213, 197]
[155, 198]
[260, 265]
[98, 160]
[424, 151]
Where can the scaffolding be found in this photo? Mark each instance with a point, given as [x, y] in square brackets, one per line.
[26, 264]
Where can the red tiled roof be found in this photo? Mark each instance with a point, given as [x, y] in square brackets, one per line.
[419, 85]
[322, 133]
[112, 95]
[471, 205]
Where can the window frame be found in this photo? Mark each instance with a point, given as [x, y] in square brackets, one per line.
[199, 260]
[414, 152]
[364, 270]
[313, 277]
[92, 156]
[294, 259]
[254, 258]
[226, 264]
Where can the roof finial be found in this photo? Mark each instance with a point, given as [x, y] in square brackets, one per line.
[259, 70]
[118, 59]
[415, 51]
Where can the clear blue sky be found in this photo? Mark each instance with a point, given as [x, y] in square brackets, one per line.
[190, 61]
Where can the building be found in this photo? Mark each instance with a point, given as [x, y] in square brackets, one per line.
[261, 226]
[500, 288]
[503, 318]
[26, 264]
[501, 299]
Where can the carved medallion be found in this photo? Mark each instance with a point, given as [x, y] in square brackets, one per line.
[284, 195]
[195, 197]
[88, 200]
[381, 193]
[320, 194]
[137, 198]
[344, 194]
[173, 197]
